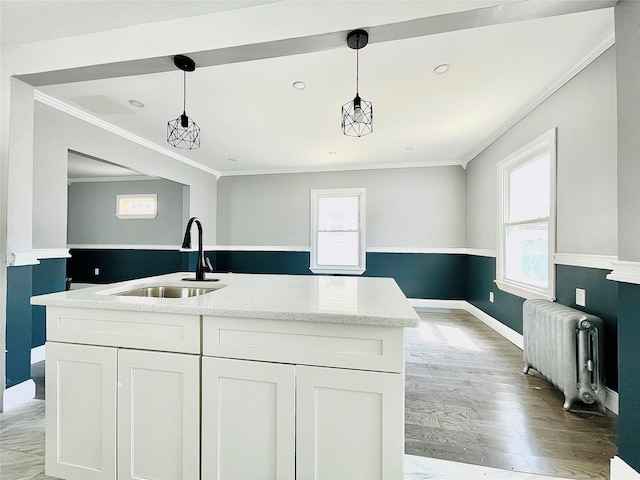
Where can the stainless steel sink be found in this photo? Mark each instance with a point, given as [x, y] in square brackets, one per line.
[166, 292]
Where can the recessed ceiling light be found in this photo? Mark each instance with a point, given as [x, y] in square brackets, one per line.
[409, 148]
[136, 103]
[332, 153]
[440, 69]
[299, 85]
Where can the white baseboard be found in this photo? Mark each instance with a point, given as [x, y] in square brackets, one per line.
[445, 304]
[511, 335]
[76, 285]
[19, 394]
[611, 397]
[611, 400]
[620, 470]
[37, 354]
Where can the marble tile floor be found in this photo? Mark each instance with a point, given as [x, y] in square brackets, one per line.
[22, 453]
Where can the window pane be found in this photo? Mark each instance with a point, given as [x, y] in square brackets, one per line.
[338, 213]
[526, 254]
[338, 248]
[529, 190]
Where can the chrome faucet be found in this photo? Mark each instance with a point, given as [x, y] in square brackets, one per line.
[203, 264]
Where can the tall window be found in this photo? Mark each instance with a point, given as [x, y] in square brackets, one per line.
[338, 231]
[526, 220]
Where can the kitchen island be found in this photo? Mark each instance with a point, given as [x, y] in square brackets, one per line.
[251, 377]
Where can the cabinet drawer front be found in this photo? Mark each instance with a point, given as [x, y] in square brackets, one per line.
[360, 347]
[167, 332]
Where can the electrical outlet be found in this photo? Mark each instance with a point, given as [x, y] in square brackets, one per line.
[96, 271]
[581, 297]
[491, 297]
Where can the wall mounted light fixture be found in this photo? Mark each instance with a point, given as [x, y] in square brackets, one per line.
[183, 131]
[357, 115]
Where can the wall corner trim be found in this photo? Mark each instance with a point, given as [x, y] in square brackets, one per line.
[93, 246]
[21, 259]
[620, 470]
[33, 257]
[603, 262]
[627, 272]
[43, 253]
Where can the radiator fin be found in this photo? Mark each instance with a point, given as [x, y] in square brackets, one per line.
[565, 346]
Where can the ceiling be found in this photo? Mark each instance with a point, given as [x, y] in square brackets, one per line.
[82, 168]
[253, 121]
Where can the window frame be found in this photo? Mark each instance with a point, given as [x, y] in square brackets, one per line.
[136, 216]
[315, 195]
[545, 144]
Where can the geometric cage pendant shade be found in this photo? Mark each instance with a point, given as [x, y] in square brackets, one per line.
[357, 115]
[357, 118]
[183, 132]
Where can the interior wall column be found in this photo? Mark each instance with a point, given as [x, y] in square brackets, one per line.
[627, 269]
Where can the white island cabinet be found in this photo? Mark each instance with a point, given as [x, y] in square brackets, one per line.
[122, 412]
[263, 377]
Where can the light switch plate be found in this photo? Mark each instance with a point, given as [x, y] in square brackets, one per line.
[491, 297]
[581, 297]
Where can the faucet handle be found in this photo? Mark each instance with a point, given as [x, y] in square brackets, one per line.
[207, 265]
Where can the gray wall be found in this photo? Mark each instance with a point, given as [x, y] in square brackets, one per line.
[55, 133]
[414, 207]
[627, 56]
[584, 111]
[92, 214]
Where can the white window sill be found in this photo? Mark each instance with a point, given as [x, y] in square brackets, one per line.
[338, 271]
[522, 292]
[135, 216]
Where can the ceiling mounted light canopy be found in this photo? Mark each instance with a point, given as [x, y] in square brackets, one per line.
[183, 131]
[357, 115]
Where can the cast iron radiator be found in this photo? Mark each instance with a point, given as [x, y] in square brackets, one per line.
[565, 346]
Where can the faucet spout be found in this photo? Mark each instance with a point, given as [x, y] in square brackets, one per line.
[202, 265]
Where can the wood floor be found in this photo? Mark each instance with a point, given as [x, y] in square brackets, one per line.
[467, 400]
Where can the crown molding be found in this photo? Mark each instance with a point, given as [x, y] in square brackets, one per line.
[345, 168]
[123, 178]
[602, 46]
[45, 99]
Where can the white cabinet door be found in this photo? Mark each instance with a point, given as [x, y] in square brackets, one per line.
[81, 411]
[350, 424]
[248, 420]
[158, 415]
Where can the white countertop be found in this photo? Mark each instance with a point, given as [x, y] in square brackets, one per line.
[333, 299]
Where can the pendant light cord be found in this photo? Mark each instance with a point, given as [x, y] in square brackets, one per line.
[184, 94]
[357, 64]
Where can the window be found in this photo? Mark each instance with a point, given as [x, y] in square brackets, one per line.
[526, 220]
[137, 206]
[337, 231]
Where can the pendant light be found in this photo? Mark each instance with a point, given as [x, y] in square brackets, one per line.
[357, 115]
[183, 131]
